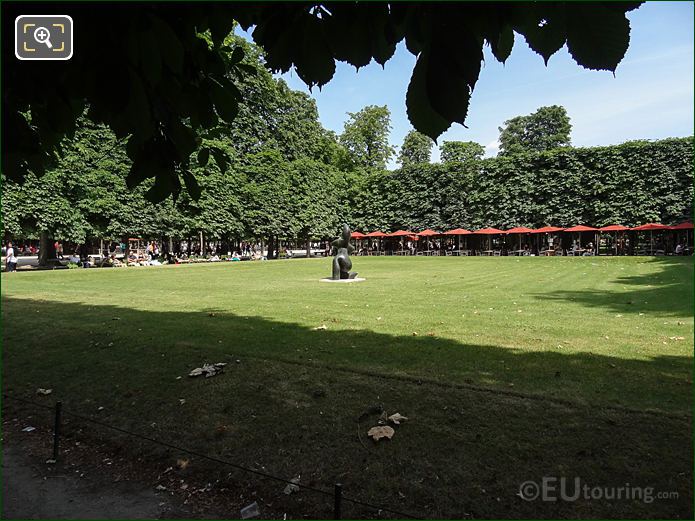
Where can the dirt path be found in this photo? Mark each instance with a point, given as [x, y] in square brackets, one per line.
[33, 490]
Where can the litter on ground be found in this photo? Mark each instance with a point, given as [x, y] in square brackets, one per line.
[383, 431]
[292, 486]
[208, 370]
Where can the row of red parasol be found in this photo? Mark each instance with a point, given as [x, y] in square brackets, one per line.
[523, 229]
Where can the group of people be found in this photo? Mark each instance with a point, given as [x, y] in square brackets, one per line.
[26, 249]
[114, 253]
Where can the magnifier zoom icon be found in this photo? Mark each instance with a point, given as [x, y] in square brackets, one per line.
[43, 35]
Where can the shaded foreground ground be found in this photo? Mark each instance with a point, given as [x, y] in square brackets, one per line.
[32, 490]
[495, 400]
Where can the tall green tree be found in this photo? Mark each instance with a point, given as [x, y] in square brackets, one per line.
[460, 151]
[160, 75]
[416, 149]
[366, 137]
[545, 129]
[317, 198]
[273, 116]
[267, 197]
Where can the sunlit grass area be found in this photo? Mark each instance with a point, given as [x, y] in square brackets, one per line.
[617, 330]
[506, 366]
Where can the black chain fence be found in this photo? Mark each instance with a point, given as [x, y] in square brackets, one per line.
[336, 494]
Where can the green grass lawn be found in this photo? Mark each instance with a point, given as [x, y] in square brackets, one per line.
[510, 369]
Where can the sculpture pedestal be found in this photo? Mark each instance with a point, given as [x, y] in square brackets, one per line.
[344, 281]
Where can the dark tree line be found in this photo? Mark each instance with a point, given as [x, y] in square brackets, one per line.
[164, 77]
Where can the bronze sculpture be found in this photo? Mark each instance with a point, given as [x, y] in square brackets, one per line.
[342, 249]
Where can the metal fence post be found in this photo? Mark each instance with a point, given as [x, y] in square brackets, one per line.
[337, 500]
[56, 430]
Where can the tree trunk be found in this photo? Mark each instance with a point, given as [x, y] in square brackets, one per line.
[46, 249]
[202, 247]
[308, 246]
[127, 249]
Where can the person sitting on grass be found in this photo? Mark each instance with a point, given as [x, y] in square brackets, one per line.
[236, 257]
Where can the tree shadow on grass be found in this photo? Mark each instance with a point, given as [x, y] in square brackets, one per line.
[290, 405]
[667, 292]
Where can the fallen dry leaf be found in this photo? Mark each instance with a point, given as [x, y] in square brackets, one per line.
[182, 464]
[292, 486]
[397, 418]
[43, 392]
[321, 327]
[676, 338]
[383, 431]
[208, 370]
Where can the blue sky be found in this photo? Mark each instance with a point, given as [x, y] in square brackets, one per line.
[650, 97]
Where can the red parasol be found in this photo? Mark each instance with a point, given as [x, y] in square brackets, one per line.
[651, 227]
[402, 233]
[489, 231]
[520, 230]
[683, 226]
[547, 229]
[428, 233]
[357, 235]
[377, 234]
[458, 231]
[581, 228]
[614, 228]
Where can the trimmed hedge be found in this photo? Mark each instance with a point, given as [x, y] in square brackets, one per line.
[630, 184]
